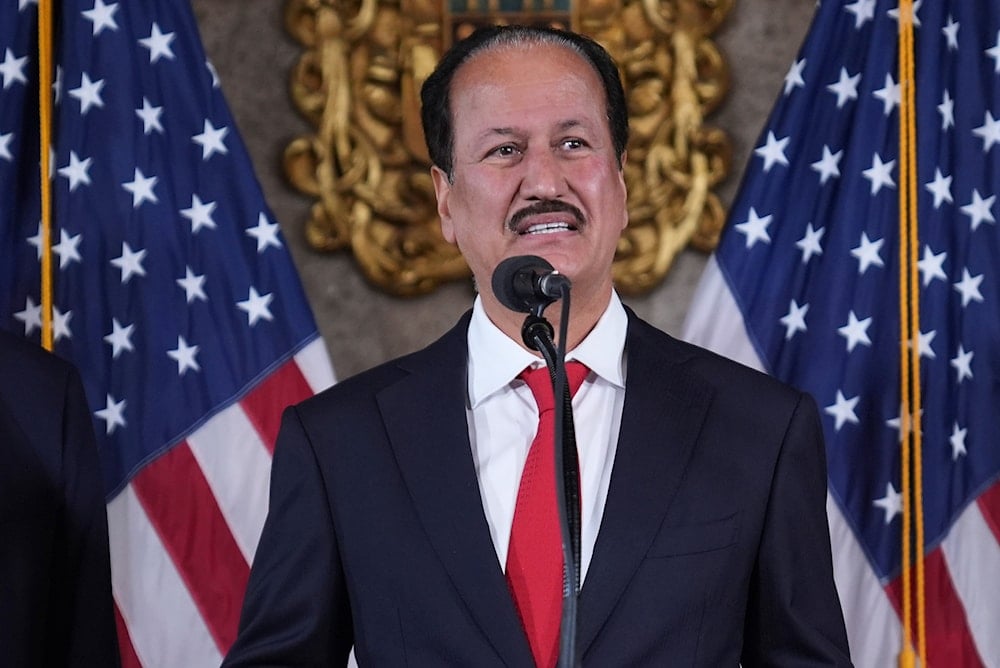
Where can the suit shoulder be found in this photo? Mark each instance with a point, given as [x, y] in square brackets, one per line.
[721, 373]
[31, 368]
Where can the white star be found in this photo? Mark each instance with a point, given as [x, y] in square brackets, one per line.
[112, 414]
[855, 331]
[894, 13]
[809, 244]
[150, 116]
[184, 354]
[867, 253]
[979, 209]
[957, 440]
[266, 233]
[200, 214]
[863, 10]
[924, 341]
[795, 320]
[31, 316]
[102, 16]
[5, 140]
[755, 228]
[963, 363]
[891, 503]
[950, 32]
[794, 78]
[89, 93]
[773, 151]
[130, 262]
[211, 140]
[947, 111]
[256, 306]
[12, 69]
[36, 241]
[60, 324]
[21, 4]
[969, 288]
[842, 410]
[880, 174]
[158, 44]
[989, 131]
[214, 73]
[897, 423]
[940, 187]
[76, 171]
[931, 265]
[828, 165]
[994, 53]
[66, 249]
[193, 285]
[889, 94]
[120, 338]
[846, 87]
[141, 188]
[57, 86]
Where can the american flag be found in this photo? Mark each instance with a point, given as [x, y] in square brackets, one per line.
[805, 285]
[175, 297]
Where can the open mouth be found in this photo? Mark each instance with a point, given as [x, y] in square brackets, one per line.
[548, 228]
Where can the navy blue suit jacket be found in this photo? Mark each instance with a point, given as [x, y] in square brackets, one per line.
[713, 550]
[55, 579]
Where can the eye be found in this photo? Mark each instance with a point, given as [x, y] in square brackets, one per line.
[504, 151]
[572, 144]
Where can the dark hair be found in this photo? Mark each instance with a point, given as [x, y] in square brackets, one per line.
[435, 95]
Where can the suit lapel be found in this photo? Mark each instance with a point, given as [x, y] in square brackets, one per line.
[661, 418]
[425, 417]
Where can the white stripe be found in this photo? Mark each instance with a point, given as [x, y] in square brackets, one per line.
[714, 321]
[873, 628]
[165, 626]
[237, 466]
[972, 556]
[314, 363]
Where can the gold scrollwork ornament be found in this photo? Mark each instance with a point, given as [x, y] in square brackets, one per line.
[358, 81]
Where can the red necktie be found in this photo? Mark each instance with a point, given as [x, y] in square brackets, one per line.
[534, 555]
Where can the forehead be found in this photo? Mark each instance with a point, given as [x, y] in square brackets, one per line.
[507, 75]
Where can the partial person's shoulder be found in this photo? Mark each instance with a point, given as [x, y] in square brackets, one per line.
[362, 388]
[709, 368]
[26, 364]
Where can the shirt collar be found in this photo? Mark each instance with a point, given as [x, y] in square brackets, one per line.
[495, 359]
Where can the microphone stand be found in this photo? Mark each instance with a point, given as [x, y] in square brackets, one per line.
[537, 334]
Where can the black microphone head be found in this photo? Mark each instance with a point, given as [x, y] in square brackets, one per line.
[513, 281]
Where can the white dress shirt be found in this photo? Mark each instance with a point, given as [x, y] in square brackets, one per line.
[503, 419]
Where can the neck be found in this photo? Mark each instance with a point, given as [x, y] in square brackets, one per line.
[584, 314]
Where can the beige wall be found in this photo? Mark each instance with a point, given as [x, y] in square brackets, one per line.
[362, 326]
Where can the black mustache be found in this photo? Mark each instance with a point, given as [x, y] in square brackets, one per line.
[545, 206]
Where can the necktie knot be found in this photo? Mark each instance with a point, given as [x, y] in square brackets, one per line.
[539, 382]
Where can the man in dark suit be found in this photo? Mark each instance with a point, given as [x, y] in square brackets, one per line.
[394, 494]
[55, 577]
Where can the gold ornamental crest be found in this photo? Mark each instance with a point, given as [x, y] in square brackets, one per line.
[358, 83]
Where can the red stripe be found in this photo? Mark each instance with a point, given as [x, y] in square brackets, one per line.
[265, 403]
[989, 505]
[949, 640]
[125, 649]
[181, 508]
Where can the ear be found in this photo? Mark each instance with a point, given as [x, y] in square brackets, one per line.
[621, 176]
[442, 191]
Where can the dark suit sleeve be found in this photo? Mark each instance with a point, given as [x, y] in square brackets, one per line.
[296, 608]
[90, 626]
[794, 615]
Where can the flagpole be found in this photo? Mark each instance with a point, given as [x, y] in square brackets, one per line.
[45, 141]
[911, 467]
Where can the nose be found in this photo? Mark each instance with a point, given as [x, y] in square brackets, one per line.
[543, 175]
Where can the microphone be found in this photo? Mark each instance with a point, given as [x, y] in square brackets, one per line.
[527, 283]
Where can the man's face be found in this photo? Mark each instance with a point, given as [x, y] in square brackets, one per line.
[535, 170]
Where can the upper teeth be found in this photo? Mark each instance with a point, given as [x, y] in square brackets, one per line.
[547, 228]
